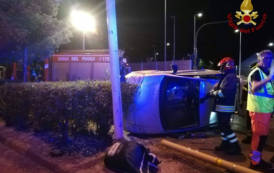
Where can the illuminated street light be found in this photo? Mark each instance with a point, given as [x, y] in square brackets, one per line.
[270, 44]
[84, 22]
[236, 30]
[199, 15]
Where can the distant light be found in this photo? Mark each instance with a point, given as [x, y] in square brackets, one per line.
[167, 44]
[237, 31]
[271, 44]
[200, 15]
[83, 21]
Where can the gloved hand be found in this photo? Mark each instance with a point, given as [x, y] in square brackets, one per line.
[213, 92]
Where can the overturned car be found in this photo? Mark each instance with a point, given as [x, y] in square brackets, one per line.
[166, 102]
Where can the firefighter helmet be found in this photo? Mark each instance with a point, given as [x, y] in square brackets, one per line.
[226, 63]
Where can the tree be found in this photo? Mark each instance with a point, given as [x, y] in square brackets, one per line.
[30, 29]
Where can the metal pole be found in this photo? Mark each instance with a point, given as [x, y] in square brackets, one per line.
[165, 40]
[196, 38]
[115, 69]
[194, 43]
[240, 54]
[25, 64]
[208, 158]
[174, 38]
[84, 41]
[240, 64]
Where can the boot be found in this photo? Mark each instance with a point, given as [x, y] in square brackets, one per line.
[262, 166]
[234, 149]
[223, 146]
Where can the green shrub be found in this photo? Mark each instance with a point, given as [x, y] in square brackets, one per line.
[68, 108]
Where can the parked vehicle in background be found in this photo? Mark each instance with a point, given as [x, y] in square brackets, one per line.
[73, 65]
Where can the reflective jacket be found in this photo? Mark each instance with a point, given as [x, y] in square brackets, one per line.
[263, 99]
[225, 93]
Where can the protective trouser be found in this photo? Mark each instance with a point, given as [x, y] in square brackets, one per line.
[224, 125]
[260, 128]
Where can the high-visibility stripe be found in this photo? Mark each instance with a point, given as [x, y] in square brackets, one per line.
[231, 135]
[265, 94]
[233, 140]
[223, 108]
[261, 100]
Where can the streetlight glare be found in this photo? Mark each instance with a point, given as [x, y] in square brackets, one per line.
[200, 14]
[271, 44]
[83, 21]
[237, 31]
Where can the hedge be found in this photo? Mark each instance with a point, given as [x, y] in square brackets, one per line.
[67, 108]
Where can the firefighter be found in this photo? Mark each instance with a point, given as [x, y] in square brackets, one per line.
[260, 104]
[224, 93]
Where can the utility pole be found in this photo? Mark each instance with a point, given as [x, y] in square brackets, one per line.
[25, 64]
[240, 54]
[115, 69]
[194, 44]
[84, 41]
[165, 40]
[174, 39]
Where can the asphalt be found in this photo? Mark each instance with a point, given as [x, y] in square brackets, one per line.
[17, 141]
[37, 151]
[34, 153]
[13, 162]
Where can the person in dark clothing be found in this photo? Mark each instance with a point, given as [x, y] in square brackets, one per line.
[224, 93]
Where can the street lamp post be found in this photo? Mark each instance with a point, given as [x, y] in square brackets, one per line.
[240, 51]
[174, 38]
[84, 41]
[115, 70]
[165, 40]
[196, 39]
[83, 22]
[240, 54]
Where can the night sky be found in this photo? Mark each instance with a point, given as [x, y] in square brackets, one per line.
[141, 28]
